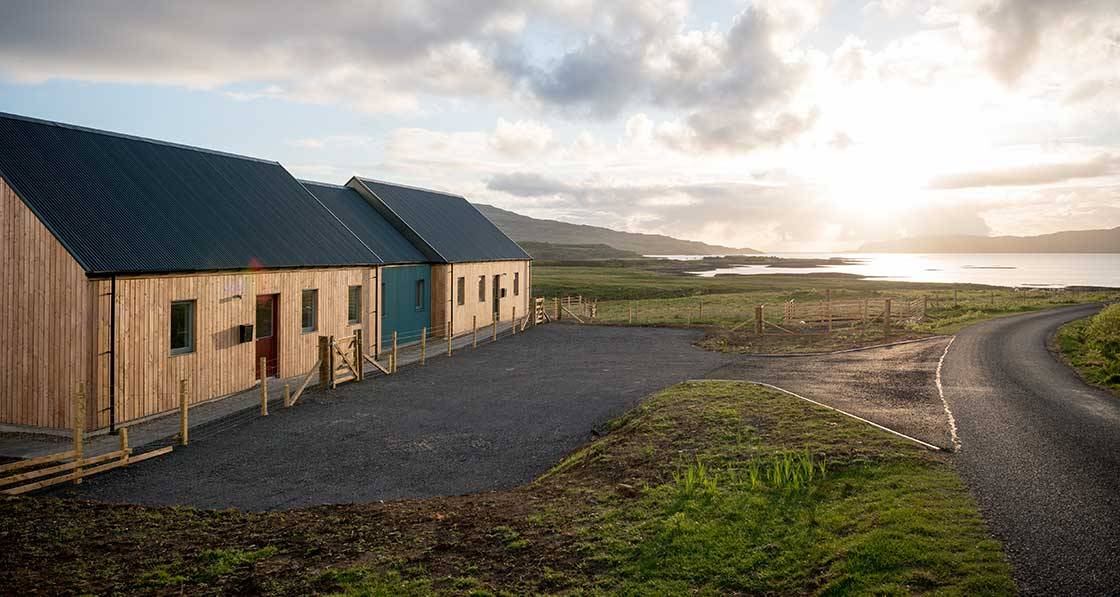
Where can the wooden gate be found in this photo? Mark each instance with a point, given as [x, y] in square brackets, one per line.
[340, 359]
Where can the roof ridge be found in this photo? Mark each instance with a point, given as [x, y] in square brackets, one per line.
[107, 133]
[322, 184]
[338, 219]
[405, 186]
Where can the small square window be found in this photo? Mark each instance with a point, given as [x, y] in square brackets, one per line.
[309, 310]
[354, 304]
[482, 289]
[182, 327]
[516, 283]
[420, 295]
[461, 291]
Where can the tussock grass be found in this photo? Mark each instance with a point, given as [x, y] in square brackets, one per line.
[1092, 346]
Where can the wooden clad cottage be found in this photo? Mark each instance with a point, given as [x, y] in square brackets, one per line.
[478, 274]
[130, 264]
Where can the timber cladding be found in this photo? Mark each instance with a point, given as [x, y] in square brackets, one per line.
[46, 321]
[148, 375]
[445, 283]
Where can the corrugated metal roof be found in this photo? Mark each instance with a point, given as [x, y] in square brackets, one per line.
[365, 221]
[123, 204]
[448, 225]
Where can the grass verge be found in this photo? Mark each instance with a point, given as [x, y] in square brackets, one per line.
[725, 305]
[708, 488]
[1092, 347]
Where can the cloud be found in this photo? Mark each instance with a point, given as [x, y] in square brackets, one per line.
[1017, 34]
[520, 137]
[770, 217]
[1037, 174]
[329, 51]
[737, 89]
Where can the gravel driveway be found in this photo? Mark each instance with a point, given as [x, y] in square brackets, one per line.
[893, 385]
[485, 419]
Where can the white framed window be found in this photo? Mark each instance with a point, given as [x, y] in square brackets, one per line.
[516, 283]
[182, 327]
[461, 290]
[309, 310]
[482, 289]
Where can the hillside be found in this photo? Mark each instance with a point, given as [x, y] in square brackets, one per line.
[1074, 241]
[556, 252]
[525, 229]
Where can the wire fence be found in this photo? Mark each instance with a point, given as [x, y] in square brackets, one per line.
[823, 312]
[418, 346]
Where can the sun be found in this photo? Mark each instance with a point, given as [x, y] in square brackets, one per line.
[876, 179]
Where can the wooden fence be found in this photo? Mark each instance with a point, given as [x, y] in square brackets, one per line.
[72, 465]
[791, 317]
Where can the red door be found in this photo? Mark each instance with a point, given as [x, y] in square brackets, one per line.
[267, 330]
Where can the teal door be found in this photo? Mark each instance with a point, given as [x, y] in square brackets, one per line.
[406, 301]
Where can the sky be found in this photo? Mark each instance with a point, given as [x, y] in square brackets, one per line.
[783, 126]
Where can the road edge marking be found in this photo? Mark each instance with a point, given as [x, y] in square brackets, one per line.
[926, 445]
[941, 393]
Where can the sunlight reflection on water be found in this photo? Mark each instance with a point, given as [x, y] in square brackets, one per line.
[1001, 269]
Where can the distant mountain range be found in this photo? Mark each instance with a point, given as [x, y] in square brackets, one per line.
[1074, 241]
[525, 229]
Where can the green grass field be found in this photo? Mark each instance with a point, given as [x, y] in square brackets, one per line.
[706, 488]
[634, 294]
[1092, 346]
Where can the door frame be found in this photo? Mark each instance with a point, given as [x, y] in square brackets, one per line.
[274, 368]
[496, 304]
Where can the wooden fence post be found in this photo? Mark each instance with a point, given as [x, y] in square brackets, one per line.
[287, 395]
[423, 346]
[474, 331]
[393, 367]
[630, 313]
[326, 373]
[514, 320]
[184, 421]
[264, 386]
[701, 309]
[954, 296]
[557, 301]
[448, 338]
[358, 354]
[886, 317]
[494, 334]
[122, 437]
[863, 313]
[758, 320]
[79, 430]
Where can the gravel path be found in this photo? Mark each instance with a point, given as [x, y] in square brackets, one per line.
[892, 386]
[485, 419]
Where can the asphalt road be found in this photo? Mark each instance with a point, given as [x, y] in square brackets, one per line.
[488, 418]
[1041, 453]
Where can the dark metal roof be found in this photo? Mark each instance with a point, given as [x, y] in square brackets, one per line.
[123, 204]
[361, 218]
[448, 227]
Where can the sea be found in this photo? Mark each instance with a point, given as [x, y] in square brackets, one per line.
[1027, 270]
